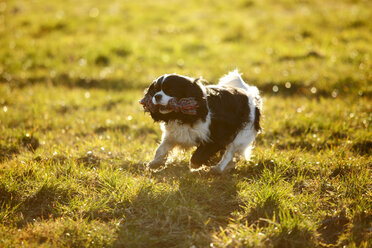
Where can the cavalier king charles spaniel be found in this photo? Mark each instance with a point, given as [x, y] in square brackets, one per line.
[223, 118]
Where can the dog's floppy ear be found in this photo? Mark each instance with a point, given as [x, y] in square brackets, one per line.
[195, 89]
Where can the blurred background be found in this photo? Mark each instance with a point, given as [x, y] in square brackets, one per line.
[285, 47]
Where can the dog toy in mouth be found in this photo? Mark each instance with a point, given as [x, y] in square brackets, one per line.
[184, 105]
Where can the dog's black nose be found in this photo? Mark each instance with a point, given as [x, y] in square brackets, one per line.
[158, 97]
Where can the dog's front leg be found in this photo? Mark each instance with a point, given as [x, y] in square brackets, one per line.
[161, 154]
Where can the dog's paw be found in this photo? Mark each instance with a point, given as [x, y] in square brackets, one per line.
[217, 169]
[194, 166]
[154, 165]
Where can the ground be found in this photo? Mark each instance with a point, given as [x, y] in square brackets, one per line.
[74, 140]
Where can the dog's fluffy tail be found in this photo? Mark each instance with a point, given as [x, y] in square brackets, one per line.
[234, 79]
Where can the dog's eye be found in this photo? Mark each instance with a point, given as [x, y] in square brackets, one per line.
[168, 90]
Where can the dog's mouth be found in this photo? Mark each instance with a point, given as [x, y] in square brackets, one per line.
[165, 109]
[184, 105]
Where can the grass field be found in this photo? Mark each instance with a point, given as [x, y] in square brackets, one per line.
[74, 141]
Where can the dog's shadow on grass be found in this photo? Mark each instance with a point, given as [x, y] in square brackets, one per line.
[190, 209]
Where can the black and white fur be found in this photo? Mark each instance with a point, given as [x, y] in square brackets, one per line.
[227, 119]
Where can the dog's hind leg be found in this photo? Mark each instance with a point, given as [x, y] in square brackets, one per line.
[226, 161]
[202, 154]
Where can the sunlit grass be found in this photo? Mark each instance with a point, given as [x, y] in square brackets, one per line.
[74, 140]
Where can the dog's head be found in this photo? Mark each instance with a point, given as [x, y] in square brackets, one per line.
[164, 95]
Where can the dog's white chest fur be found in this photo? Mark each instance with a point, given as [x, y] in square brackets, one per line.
[186, 135]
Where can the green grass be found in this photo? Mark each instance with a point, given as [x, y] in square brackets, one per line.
[74, 140]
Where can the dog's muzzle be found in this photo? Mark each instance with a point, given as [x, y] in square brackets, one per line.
[184, 105]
